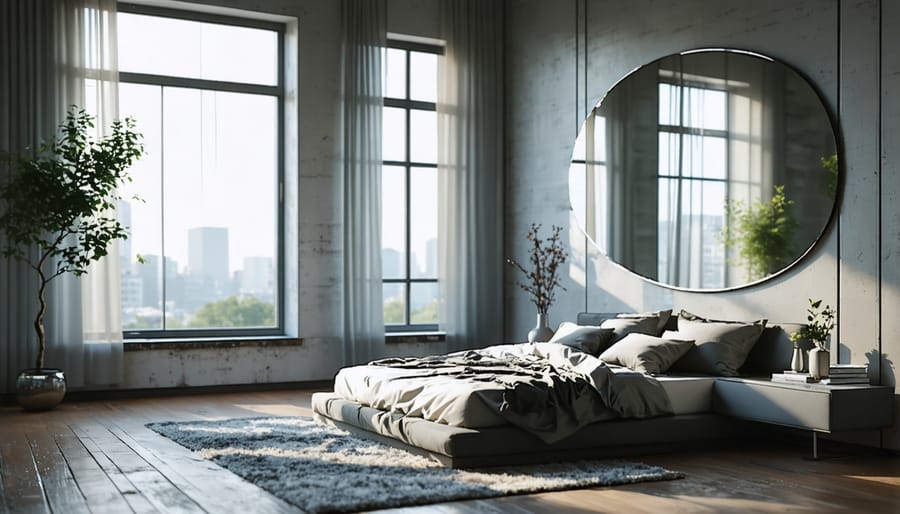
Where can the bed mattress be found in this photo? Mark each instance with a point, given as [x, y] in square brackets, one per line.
[493, 446]
[454, 402]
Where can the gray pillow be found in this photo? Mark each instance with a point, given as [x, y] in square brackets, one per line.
[720, 348]
[592, 340]
[647, 354]
[625, 326]
[662, 318]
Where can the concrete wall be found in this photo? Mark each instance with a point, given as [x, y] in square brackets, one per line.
[555, 73]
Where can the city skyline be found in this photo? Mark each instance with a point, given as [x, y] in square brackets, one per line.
[159, 286]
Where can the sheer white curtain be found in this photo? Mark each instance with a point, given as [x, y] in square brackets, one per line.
[470, 205]
[364, 35]
[53, 54]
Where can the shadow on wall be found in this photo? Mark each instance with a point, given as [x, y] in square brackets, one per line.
[886, 367]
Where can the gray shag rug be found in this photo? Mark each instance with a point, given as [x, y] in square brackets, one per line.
[319, 468]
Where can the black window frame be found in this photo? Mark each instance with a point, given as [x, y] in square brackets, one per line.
[276, 91]
[682, 131]
[409, 105]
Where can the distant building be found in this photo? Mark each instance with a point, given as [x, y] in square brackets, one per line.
[150, 273]
[124, 215]
[258, 277]
[431, 258]
[132, 292]
[208, 254]
[392, 267]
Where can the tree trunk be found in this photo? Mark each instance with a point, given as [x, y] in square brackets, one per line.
[39, 322]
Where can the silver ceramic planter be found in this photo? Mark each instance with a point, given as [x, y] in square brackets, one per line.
[40, 389]
[542, 331]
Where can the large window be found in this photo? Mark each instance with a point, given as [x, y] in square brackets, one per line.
[409, 184]
[693, 177]
[206, 92]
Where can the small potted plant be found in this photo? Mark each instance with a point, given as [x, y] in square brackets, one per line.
[547, 256]
[57, 216]
[820, 322]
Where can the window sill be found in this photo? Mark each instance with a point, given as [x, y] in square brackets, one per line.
[137, 345]
[415, 337]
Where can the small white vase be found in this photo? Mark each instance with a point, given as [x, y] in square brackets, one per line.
[819, 363]
[542, 331]
[797, 364]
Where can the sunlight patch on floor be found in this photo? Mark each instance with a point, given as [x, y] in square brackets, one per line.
[614, 498]
[889, 480]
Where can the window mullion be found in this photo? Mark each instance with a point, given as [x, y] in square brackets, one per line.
[408, 200]
[162, 206]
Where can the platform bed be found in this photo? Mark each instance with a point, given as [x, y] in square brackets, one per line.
[460, 447]
[457, 446]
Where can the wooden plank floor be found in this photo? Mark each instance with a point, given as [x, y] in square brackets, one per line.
[98, 457]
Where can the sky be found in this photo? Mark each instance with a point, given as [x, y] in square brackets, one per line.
[220, 149]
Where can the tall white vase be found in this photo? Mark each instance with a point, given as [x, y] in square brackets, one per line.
[819, 363]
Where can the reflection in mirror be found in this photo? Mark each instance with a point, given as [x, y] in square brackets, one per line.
[710, 169]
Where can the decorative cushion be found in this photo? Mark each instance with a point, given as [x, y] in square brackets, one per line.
[625, 326]
[662, 318]
[592, 340]
[647, 354]
[720, 347]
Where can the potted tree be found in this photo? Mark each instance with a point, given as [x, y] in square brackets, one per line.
[57, 216]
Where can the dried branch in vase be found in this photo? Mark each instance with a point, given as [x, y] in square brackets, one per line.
[547, 256]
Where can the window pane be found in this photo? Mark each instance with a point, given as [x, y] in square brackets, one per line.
[704, 157]
[393, 142]
[394, 304]
[395, 73]
[184, 48]
[423, 222]
[393, 222]
[220, 207]
[668, 154]
[423, 76]
[423, 136]
[707, 108]
[669, 105]
[142, 306]
[423, 303]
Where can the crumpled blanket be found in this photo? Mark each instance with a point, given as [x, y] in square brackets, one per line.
[548, 389]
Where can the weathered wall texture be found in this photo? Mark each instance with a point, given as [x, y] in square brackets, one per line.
[557, 68]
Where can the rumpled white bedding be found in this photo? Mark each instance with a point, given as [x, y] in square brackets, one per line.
[476, 389]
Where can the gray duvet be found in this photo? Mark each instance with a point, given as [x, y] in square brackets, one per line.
[547, 389]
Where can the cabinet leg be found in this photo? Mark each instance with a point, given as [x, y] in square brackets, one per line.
[815, 438]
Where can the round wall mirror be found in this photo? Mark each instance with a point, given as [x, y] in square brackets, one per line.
[706, 170]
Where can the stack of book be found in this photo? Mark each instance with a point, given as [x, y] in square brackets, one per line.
[838, 374]
[793, 377]
[847, 374]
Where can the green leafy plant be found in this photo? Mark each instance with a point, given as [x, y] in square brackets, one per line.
[547, 256]
[830, 164]
[58, 206]
[235, 312]
[820, 322]
[763, 234]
